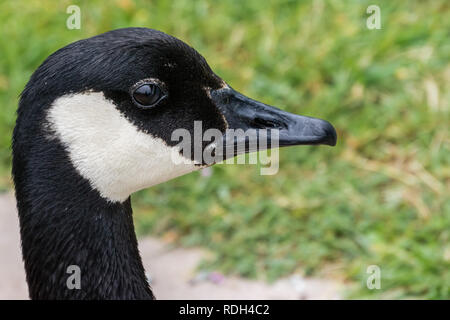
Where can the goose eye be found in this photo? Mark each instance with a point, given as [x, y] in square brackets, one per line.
[147, 95]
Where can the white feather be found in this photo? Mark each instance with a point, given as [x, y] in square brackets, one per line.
[108, 150]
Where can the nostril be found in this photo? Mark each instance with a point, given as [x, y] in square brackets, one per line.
[261, 123]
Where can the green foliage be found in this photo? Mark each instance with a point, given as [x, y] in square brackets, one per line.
[380, 197]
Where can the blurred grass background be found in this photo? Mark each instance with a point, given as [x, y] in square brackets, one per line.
[380, 197]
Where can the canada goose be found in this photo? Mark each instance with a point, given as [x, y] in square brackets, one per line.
[94, 125]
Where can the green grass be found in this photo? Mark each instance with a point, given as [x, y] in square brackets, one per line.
[380, 197]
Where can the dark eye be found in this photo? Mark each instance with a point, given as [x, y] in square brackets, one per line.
[147, 95]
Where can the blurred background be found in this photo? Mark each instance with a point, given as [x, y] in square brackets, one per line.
[380, 197]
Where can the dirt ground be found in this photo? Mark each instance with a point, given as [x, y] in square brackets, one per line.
[172, 271]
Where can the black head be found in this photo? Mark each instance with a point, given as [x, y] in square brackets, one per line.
[96, 123]
[82, 94]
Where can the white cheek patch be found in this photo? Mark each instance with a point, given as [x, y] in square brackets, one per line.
[108, 150]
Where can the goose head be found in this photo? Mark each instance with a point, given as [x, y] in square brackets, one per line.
[116, 99]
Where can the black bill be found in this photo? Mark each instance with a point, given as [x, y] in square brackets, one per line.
[266, 124]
